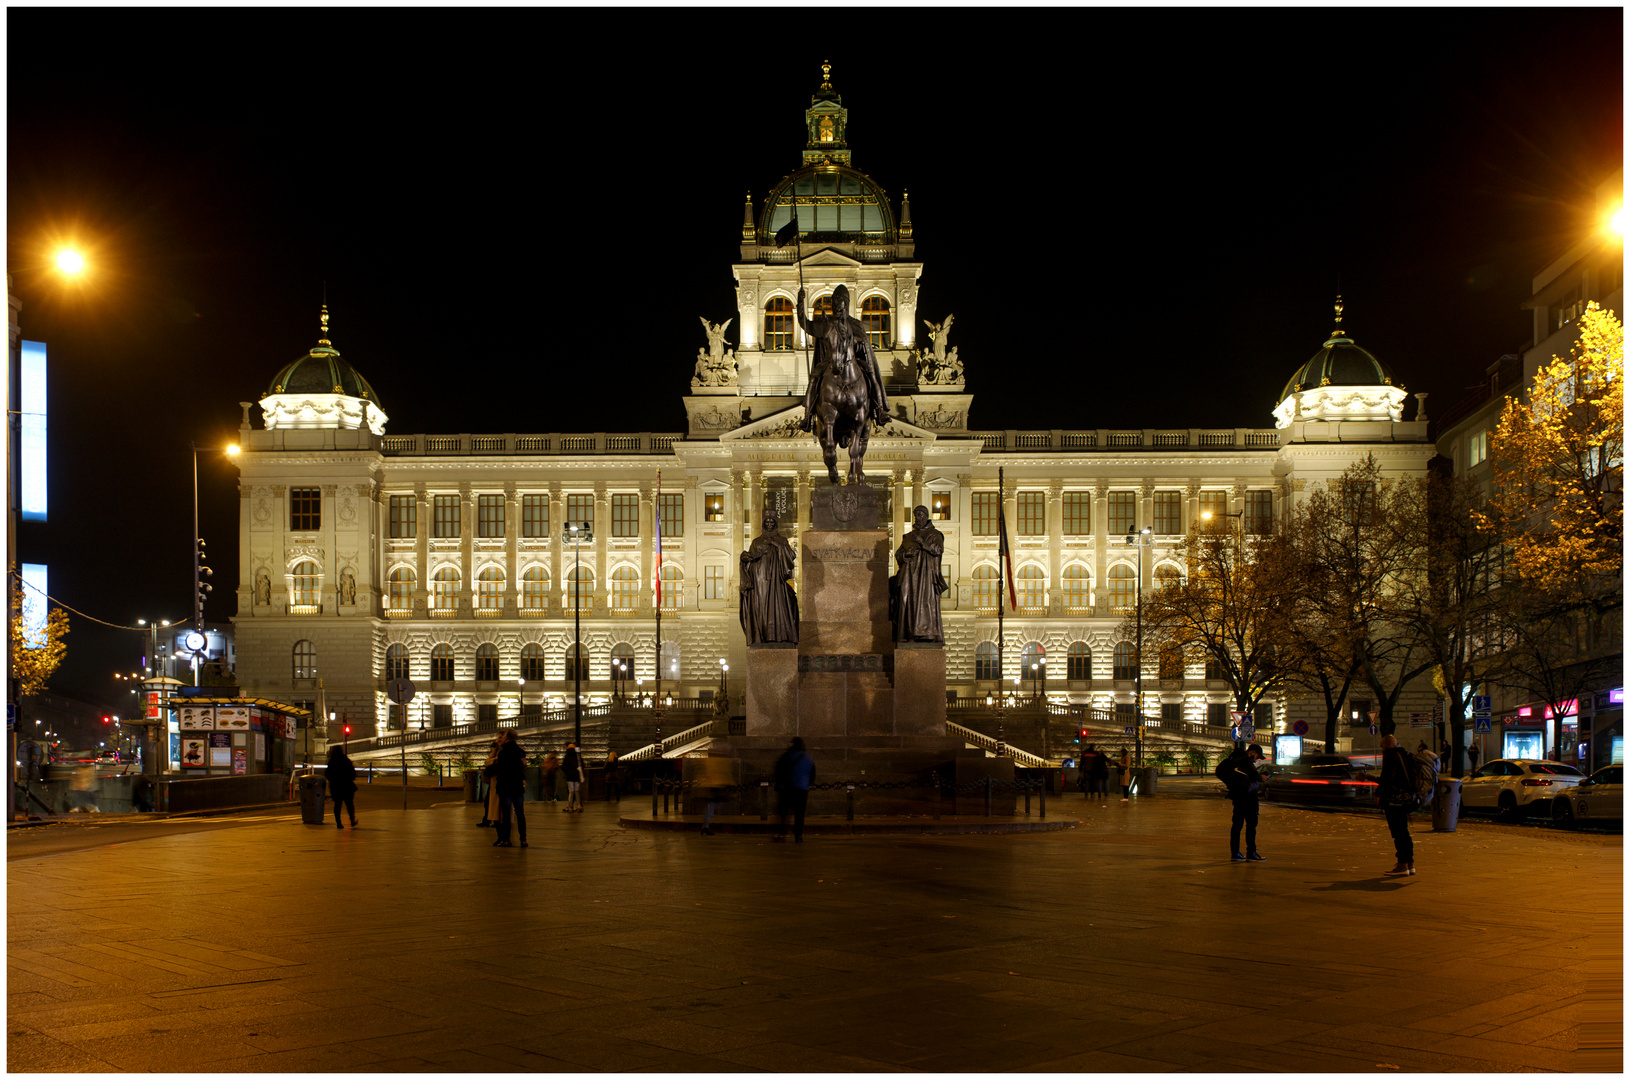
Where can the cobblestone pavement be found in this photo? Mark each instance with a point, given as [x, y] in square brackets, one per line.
[1127, 944]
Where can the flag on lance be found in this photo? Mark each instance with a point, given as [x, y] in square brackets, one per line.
[659, 547]
[1006, 554]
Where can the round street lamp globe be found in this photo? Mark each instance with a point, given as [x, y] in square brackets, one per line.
[70, 261]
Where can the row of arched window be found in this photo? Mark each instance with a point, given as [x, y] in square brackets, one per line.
[533, 664]
[1030, 585]
[779, 319]
[1077, 662]
[491, 583]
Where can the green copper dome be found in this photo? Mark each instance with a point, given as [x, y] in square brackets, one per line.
[1339, 363]
[321, 371]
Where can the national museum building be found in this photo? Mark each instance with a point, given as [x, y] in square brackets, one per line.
[366, 555]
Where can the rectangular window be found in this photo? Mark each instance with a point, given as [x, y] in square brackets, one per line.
[625, 515]
[535, 516]
[1032, 507]
[712, 583]
[1477, 449]
[404, 517]
[490, 516]
[1168, 512]
[1214, 503]
[305, 509]
[672, 509]
[580, 508]
[395, 721]
[1217, 714]
[939, 505]
[448, 508]
[1078, 513]
[441, 715]
[1123, 512]
[712, 507]
[486, 714]
[984, 513]
[1259, 512]
[1264, 715]
[1171, 712]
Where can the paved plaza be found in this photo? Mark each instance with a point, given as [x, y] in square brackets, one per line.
[1128, 943]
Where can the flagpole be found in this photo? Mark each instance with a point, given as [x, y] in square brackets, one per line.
[1001, 630]
[658, 522]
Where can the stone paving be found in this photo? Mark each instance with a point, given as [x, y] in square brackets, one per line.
[1127, 944]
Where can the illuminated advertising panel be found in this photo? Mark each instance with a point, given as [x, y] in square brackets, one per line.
[34, 604]
[31, 457]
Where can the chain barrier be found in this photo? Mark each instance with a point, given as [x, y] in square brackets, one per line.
[675, 790]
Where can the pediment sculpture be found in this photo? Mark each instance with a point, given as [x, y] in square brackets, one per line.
[938, 365]
[715, 365]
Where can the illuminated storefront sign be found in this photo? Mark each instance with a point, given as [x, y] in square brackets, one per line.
[34, 603]
[31, 458]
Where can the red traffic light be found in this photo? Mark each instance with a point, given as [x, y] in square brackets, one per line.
[1085, 732]
[107, 719]
[348, 729]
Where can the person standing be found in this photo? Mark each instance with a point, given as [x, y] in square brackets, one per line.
[1397, 798]
[342, 784]
[794, 773]
[1097, 763]
[1126, 775]
[551, 768]
[489, 809]
[614, 780]
[1238, 773]
[508, 775]
[572, 768]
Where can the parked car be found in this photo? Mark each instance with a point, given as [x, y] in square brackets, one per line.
[1320, 778]
[1598, 797]
[1514, 788]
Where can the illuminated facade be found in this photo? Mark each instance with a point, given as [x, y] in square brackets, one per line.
[366, 555]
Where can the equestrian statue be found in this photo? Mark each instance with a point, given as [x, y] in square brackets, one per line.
[845, 395]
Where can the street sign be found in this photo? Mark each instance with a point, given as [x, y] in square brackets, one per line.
[1129, 731]
[1247, 731]
[1374, 728]
[1483, 725]
[400, 691]
[1481, 705]
[1300, 727]
[1420, 719]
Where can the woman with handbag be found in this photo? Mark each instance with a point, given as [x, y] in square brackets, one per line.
[489, 809]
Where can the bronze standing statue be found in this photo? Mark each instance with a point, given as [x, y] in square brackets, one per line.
[914, 590]
[769, 607]
[845, 395]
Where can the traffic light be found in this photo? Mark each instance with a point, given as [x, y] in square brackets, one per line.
[1085, 732]
[348, 729]
[107, 719]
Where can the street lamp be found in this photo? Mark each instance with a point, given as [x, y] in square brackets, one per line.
[1142, 539]
[1038, 675]
[721, 704]
[577, 534]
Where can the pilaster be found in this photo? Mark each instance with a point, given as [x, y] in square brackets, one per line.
[512, 532]
[557, 524]
[1055, 547]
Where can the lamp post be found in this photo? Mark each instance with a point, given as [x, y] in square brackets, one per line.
[577, 534]
[196, 641]
[721, 704]
[1141, 539]
[1038, 676]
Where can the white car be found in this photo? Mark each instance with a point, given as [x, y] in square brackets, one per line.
[1513, 787]
[1598, 797]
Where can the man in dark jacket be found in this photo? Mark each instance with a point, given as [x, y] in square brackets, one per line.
[572, 768]
[342, 784]
[1396, 796]
[1238, 773]
[508, 776]
[794, 773]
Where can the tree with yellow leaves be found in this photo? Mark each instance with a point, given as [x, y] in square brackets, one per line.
[37, 645]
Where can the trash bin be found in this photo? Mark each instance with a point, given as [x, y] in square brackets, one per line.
[472, 785]
[311, 800]
[1143, 780]
[1446, 804]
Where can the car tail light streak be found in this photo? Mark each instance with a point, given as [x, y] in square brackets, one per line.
[1360, 783]
[1531, 782]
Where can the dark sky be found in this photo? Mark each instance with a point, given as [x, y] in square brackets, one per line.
[1138, 217]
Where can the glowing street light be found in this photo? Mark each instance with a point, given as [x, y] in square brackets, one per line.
[1615, 222]
[70, 261]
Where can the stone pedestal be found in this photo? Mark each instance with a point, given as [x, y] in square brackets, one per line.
[919, 689]
[772, 689]
[844, 603]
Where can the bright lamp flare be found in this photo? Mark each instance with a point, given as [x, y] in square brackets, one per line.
[70, 261]
[1615, 222]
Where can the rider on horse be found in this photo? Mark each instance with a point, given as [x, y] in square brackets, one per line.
[839, 336]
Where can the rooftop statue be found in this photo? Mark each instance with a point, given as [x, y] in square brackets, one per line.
[845, 394]
[939, 366]
[715, 365]
[769, 607]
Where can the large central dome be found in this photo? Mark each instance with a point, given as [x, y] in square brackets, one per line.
[833, 203]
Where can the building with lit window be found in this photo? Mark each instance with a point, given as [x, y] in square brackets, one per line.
[366, 556]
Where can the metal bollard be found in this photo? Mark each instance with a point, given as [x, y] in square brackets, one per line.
[370, 772]
[653, 796]
[989, 783]
[1044, 798]
[1027, 800]
[764, 800]
[851, 795]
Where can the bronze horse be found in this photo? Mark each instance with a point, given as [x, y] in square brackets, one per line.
[845, 394]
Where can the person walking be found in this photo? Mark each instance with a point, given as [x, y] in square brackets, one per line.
[1238, 773]
[1472, 756]
[1098, 773]
[490, 809]
[614, 781]
[551, 768]
[508, 775]
[572, 768]
[1397, 798]
[1126, 775]
[342, 784]
[794, 773]
[1445, 758]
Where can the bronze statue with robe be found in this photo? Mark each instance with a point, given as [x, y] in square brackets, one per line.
[914, 590]
[769, 606]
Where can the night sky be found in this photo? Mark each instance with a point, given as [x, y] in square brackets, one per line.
[1138, 218]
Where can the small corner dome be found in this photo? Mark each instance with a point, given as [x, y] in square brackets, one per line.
[321, 390]
[1341, 382]
[321, 371]
[1341, 362]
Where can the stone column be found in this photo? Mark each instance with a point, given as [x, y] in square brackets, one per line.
[1146, 506]
[755, 502]
[425, 511]
[917, 493]
[329, 598]
[602, 528]
[803, 520]
[512, 531]
[557, 523]
[902, 512]
[1191, 507]
[648, 585]
[1055, 547]
[1236, 505]
[246, 572]
[736, 507]
[466, 550]
[1100, 544]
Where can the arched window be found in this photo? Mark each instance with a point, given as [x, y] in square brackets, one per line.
[305, 660]
[1033, 662]
[444, 590]
[1125, 662]
[1122, 587]
[486, 662]
[303, 584]
[1077, 589]
[874, 316]
[823, 306]
[673, 588]
[535, 590]
[778, 323]
[403, 584]
[625, 590]
[1032, 589]
[985, 588]
[622, 653]
[532, 662]
[490, 590]
[580, 588]
[1080, 661]
[1171, 663]
[670, 662]
[441, 663]
[984, 661]
[577, 659]
[396, 662]
[1166, 574]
